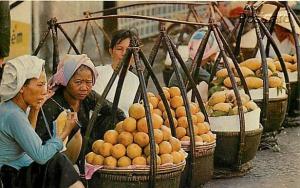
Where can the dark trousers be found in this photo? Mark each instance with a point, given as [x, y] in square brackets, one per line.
[58, 172]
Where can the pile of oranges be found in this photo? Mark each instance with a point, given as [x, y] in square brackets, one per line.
[201, 128]
[129, 143]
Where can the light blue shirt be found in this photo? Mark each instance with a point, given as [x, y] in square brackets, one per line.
[19, 144]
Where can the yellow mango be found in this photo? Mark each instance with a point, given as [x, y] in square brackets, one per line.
[252, 63]
[254, 82]
[222, 73]
[294, 59]
[251, 105]
[217, 97]
[245, 72]
[275, 81]
[228, 84]
[271, 66]
[287, 58]
[224, 107]
[293, 67]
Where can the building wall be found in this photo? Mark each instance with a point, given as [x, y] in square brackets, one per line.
[148, 28]
[65, 10]
[21, 36]
[39, 12]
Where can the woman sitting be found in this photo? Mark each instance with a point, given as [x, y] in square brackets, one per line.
[209, 55]
[24, 160]
[119, 44]
[72, 84]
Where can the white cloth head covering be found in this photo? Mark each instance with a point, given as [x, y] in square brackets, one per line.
[67, 67]
[195, 41]
[16, 72]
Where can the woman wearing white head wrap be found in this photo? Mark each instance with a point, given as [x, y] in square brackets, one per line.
[22, 152]
[16, 72]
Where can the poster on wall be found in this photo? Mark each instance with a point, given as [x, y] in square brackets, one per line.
[20, 41]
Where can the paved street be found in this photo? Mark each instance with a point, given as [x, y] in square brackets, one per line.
[271, 169]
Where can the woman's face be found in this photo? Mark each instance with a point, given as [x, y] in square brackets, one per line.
[35, 91]
[80, 85]
[119, 51]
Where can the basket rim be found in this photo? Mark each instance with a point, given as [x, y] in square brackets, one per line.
[146, 169]
[204, 146]
[251, 132]
[283, 98]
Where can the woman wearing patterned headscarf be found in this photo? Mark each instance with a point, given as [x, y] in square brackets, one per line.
[210, 52]
[24, 160]
[73, 84]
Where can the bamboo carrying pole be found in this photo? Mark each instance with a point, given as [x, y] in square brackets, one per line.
[235, 89]
[52, 25]
[297, 45]
[153, 164]
[252, 17]
[151, 3]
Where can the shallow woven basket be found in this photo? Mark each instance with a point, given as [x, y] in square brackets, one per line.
[166, 177]
[228, 145]
[203, 167]
[276, 113]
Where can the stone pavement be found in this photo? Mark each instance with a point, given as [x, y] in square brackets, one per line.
[271, 169]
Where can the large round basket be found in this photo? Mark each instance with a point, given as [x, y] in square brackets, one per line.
[204, 165]
[276, 112]
[166, 177]
[227, 149]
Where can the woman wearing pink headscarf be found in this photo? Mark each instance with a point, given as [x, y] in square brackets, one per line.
[73, 84]
[210, 52]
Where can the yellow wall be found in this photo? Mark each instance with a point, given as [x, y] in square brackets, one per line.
[19, 41]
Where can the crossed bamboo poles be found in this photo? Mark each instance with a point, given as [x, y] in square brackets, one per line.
[251, 16]
[139, 58]
[191, 13]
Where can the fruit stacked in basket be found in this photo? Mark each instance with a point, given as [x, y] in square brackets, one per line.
[289, 61]
[128, 144]
[202, 132]
[252, 71]
[224, 103]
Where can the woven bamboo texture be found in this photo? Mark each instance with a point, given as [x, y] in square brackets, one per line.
[227, 148]
[167, 177]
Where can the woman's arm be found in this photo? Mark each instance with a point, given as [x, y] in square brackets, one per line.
[30, 142]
